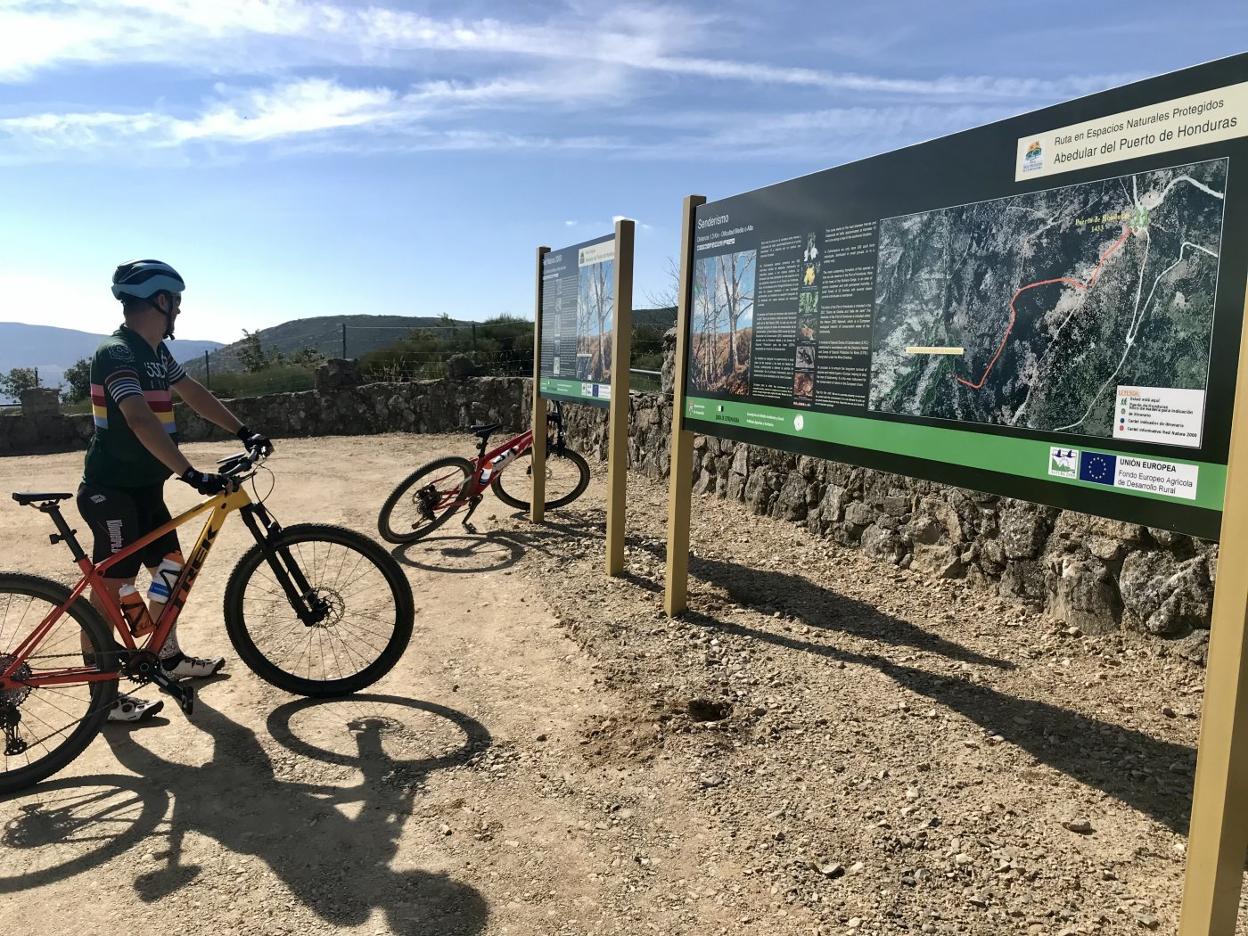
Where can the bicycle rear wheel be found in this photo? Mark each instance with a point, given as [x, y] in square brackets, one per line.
[567, 476]
[424, 500]
[361, 600]
[47, 726]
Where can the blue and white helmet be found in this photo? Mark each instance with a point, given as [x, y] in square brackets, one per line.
[143, 279]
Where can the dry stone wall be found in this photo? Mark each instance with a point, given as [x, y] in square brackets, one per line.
[423, 406]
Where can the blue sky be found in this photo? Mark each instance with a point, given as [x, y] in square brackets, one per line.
[310, 158]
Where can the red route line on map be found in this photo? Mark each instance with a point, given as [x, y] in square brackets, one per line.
[1069, 281]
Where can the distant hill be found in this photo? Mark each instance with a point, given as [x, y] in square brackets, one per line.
[324, 333]
[661, 319]
[367, 333]
[52, 349]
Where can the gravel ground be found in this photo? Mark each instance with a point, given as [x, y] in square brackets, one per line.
[823, 745]
[887, 752]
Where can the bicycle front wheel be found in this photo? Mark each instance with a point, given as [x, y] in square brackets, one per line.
[45, 726]
[357, 606]
[567, 476]
[424, 500]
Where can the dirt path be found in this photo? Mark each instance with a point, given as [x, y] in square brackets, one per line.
[896, 756]
[456, 798]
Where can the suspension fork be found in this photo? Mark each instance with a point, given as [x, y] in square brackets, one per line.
[282, 564]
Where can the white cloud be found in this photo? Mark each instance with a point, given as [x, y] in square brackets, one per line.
[246, 36]
[290, 110]
[300, 109]
[600, 64]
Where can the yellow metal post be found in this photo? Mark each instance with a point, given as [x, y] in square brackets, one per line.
[680, 483]
[621, 357]
[537, 500]
[1218, 833]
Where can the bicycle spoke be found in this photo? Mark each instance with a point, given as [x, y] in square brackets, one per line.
[51, 722]
[354, 614]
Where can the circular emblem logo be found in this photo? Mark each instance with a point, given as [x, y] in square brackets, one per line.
[798, 422]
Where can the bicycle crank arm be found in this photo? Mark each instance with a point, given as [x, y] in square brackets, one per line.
[472, 506]
[185, 695]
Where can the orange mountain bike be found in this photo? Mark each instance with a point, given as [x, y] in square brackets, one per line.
[314, 609]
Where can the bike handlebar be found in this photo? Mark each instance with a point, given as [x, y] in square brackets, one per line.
[241, 464]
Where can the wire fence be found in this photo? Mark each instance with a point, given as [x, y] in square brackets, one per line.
[395, 352]
[435, 365]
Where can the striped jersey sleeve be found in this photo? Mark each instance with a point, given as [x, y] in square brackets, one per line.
[173, 370]
[121, 384]
[115, 373]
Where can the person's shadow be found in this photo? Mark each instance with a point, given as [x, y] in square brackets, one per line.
[336, 866]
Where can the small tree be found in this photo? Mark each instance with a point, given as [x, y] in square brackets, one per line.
[18, 379]
[77, 381]
[307, 357]
[252, 355]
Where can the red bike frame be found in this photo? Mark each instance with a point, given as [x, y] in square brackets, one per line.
[473, 485]
[92, 577]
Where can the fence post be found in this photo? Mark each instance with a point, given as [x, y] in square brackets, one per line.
[344, 341]
[207, 372]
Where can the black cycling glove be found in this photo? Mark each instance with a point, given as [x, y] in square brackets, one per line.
[254, 440]
[205, 483]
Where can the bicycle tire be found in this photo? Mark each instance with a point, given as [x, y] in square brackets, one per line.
[407, 488]
[101, 694]
[552, 457]
[244, 634]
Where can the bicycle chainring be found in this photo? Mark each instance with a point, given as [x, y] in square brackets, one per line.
[141, 666]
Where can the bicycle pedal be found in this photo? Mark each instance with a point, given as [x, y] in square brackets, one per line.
[184, 695]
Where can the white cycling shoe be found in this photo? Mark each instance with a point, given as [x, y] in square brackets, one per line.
[129, 708]
[191, 667]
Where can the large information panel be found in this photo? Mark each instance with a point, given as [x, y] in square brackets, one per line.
[578, 316]
[1048, 307]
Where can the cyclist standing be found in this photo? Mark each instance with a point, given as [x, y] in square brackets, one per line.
[134, 450]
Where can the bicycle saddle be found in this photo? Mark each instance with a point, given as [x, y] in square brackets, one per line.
[29, 497]
[485, 430]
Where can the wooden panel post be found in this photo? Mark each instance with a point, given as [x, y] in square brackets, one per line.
[537, 498]
[680, 482]
[621, 358]
[1218, 833]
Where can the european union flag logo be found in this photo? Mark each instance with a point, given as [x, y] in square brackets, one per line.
[1097, 467]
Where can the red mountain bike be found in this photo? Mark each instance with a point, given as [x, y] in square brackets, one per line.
[429, 495]
[314, 609]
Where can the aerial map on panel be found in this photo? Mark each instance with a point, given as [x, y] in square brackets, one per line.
[1040, 310]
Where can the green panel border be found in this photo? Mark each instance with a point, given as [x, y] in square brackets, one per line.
[573, 391]
[1008, 455]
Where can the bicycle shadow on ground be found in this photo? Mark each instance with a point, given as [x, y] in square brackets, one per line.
[98, 818]
[336, 866]
[461, 554]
